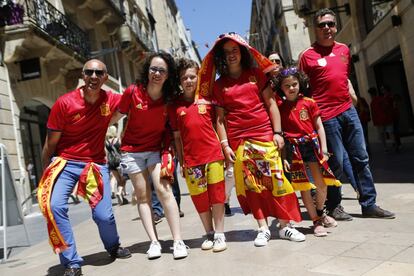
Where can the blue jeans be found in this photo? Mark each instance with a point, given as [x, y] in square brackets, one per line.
[102, 214]
[344, 135]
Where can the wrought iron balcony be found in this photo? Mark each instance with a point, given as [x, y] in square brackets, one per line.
[49, 21]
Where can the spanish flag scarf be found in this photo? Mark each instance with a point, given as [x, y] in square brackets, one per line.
[300, 179]
[207, 72]
[90, 187]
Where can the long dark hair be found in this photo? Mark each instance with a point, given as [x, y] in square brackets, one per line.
[170, 87]
[220, 57]
[294, 72]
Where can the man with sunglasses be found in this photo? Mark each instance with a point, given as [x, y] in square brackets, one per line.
[327, 63]
[74, 152]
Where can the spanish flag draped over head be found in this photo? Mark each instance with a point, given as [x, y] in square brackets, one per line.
[207, 72]
[90, 187]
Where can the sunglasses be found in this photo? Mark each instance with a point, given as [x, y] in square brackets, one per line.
[98, 73]
[229, 33]
[277, 61]
[154, 69]
[330, 24]
[289, 71]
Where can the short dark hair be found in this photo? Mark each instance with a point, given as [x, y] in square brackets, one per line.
[170, 87]
[321, 13]
[184, 64]
[220, 58]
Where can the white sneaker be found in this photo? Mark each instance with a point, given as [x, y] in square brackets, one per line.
[263, 236]
[219, 242]
[290, 233]
[180, 250]
[154, 250]
[207, 244]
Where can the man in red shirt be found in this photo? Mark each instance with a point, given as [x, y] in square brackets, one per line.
[77, 126]
[327, 63]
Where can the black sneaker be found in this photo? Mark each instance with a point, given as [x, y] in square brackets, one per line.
[181, 214]
[121, 253]
[73, 271]
[158, 218]
[377, 212]
[227, 210]
[339, 214]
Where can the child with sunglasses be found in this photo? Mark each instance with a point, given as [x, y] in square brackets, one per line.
[248, 125]
[302, 125]
[200, 155]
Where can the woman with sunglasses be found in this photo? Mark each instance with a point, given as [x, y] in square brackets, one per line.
[143, 142]
[249, 128]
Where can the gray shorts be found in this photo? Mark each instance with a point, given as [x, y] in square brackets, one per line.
[136, 162]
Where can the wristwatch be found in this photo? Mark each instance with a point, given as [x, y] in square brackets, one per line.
[281, 133]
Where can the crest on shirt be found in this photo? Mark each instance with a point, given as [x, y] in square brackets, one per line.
[322, 62]
[303, 115]
[202, 109]
[105, 110]
[139, 106]
[252, 79]
[76, 117]
[182, 113]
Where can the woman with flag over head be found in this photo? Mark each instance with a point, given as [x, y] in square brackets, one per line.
[249, 128]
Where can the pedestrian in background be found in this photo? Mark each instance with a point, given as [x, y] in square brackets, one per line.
[74, 152]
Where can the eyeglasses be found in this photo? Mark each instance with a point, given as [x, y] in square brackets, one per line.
[154, 69]
[229, 33]
[98, 73]
[289, 71]
[330, 24]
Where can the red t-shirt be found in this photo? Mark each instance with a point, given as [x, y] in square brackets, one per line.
[200, 141]
[246, 114]
[83, 125]
[298, 118]
[146, 120]
[328, 70]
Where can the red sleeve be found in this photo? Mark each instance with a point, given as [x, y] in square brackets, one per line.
[262, 79]
[172, 116]
[217, 98]
[302, 63]
[115, 99]
[314, 109]
[125, 101]
[56, 119]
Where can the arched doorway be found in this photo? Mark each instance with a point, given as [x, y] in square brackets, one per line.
[33, 119]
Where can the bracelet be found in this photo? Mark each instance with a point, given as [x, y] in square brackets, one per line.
[223, 141]
[281, 133]
[326, 153]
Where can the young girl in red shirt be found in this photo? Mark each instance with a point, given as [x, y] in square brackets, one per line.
[302, 126]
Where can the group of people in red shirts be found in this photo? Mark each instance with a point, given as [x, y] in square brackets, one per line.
[242, 118]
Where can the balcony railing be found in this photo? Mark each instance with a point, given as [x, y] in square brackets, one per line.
[50, 21]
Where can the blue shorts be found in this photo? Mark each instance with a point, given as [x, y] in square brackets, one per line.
[136, 162]
[307, 152]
